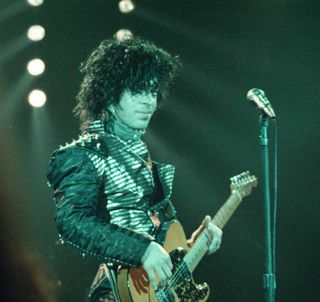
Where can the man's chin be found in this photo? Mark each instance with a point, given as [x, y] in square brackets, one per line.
[141, 126]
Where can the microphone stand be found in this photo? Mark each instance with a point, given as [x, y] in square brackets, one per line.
[269, 281]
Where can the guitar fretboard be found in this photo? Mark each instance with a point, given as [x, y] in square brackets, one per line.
[200, 247]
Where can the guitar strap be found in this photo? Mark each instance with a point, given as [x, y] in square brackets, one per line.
[113, 282]
[105, 275]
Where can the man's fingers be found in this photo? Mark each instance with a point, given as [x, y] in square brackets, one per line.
[214, 246]
[157, 263]
[217, 237]
[163, 273]
[215, 230]
[152, 278]
[169, 264]
[167, 272]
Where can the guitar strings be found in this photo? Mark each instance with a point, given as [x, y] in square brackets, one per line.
[183, 267]
[180, 272]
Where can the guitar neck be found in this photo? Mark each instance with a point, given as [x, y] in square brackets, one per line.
[227, 210]
[200, 247]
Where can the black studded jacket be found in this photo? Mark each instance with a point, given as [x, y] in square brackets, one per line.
[110, 203]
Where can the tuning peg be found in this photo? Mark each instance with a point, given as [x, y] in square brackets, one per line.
[233, 180]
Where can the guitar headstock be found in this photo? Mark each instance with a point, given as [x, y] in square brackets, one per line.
[243, 183]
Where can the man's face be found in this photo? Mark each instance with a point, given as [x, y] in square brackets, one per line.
[135, 110]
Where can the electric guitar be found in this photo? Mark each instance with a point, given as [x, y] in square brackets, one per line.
[133, 283]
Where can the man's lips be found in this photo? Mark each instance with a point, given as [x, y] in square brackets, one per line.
[144, 112]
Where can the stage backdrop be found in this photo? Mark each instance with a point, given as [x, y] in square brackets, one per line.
[206, 128]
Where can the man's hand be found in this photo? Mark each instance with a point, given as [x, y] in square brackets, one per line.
[157, 261]
[215, 233]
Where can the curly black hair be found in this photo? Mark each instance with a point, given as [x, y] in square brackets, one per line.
[117, 65]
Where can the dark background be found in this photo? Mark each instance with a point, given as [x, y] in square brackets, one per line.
[206, 129]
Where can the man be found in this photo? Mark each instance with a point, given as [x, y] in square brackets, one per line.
[111, 198]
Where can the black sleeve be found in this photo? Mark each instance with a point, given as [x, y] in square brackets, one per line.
[77, 189]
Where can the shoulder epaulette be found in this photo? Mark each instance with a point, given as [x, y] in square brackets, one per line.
[90, 142]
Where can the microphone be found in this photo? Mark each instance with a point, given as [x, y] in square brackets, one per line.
[258, 97]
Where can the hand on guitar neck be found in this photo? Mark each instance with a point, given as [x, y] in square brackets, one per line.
[214, 232]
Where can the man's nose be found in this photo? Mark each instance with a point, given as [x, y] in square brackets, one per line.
[148, 99]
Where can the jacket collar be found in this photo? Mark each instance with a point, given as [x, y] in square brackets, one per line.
[114, 127]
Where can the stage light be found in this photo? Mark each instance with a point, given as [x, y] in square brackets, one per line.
[123, 34]
[126, 6]
[36, 67]
[35, 2]
[37, 98]
[36, 33]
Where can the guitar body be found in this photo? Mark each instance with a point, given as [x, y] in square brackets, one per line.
[134, 286]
